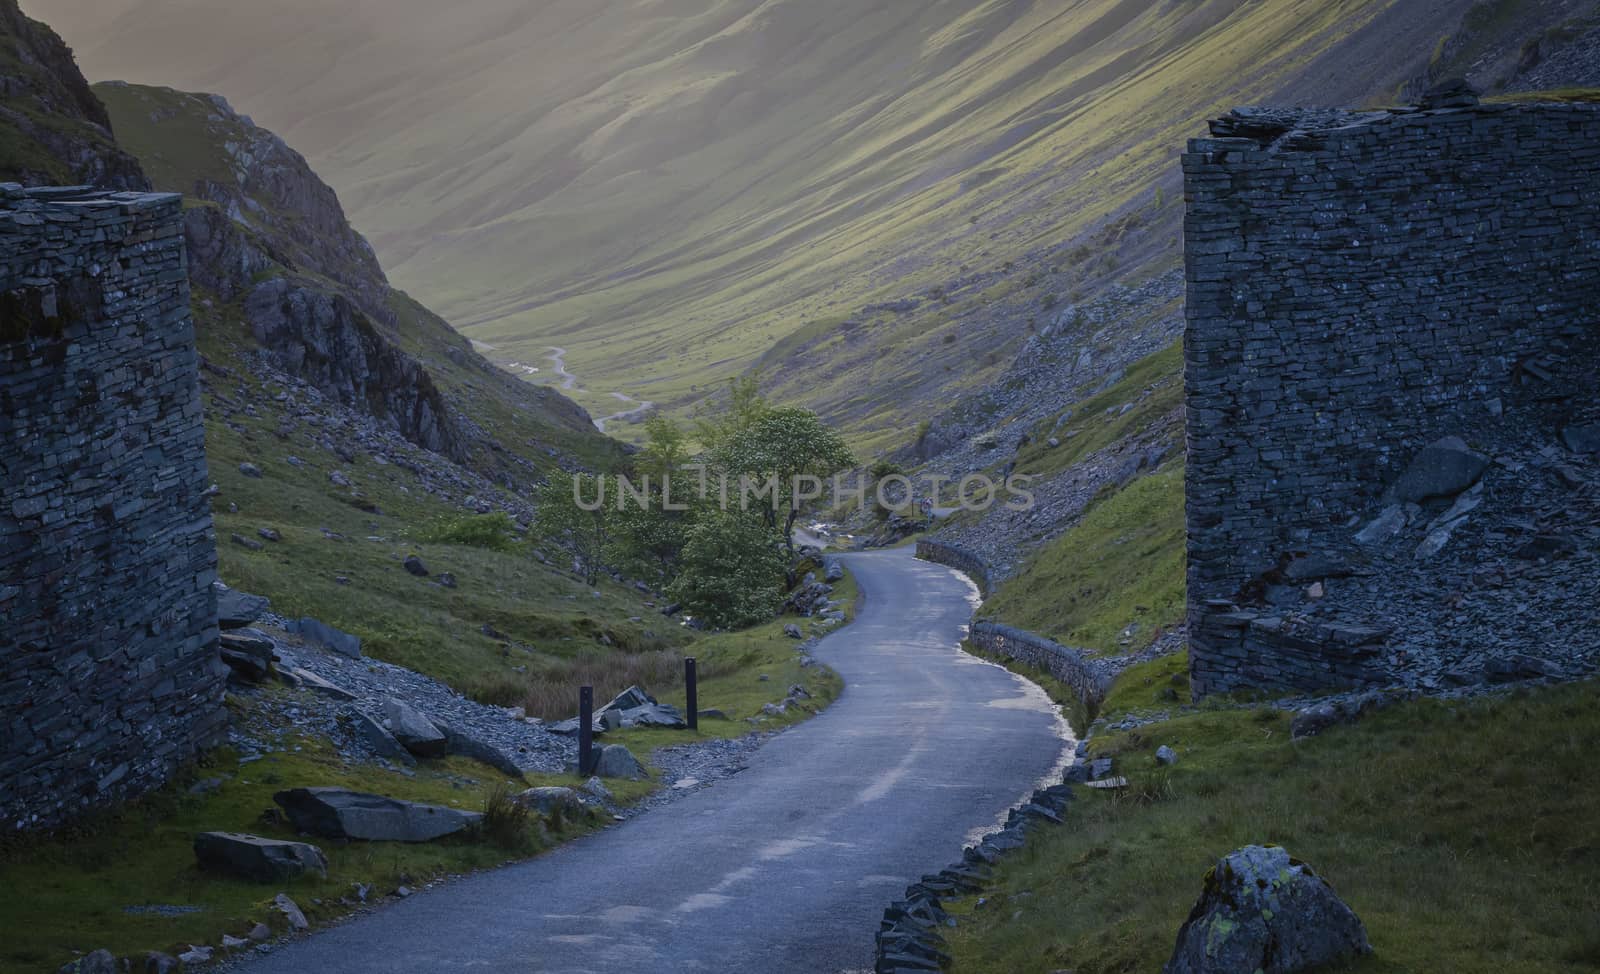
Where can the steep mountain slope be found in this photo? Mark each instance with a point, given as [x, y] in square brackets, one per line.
[52, 128]
[267, 234]
[336, 408]
[670, 189]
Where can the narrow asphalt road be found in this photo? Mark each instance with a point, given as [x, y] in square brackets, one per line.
[784, 867]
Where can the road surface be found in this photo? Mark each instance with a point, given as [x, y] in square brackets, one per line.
[785, 867]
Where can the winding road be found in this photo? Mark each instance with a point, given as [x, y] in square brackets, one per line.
[569, 383]
[785, 867]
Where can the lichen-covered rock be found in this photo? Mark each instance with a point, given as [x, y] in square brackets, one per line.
[1264, 913]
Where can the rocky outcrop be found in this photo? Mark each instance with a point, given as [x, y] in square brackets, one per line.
[1264, 913]
[326, 339]
[53, 129]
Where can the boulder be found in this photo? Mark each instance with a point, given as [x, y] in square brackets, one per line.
[1444, 468]
[248, 653]
[595, 788]
[250, 470]
[793, 631]
[198, 954]
[415, 566]
[415, 732]
[1166, 755]
[464, 742]
[617, 761]
[548, 801]
[377, 735]
[321, 634]
[1582, 439]
[156, 962]
[833, 571]
[255, 858]
[244, 667]
[1519, 666]
[1262, 912]
[236, 609]
[335, 813]
[95, 962]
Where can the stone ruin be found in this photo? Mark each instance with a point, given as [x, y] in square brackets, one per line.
[109, 669]
[1362, 286]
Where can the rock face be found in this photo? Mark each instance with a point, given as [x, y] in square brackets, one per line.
[328, 341]
[335, 813]
[617, 761]
[258, 859]
[110, 675]
[1264, 913]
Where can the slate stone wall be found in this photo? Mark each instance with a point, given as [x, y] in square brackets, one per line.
[1090, 678]
[109, 671]
[962, 560]
[1354, 281]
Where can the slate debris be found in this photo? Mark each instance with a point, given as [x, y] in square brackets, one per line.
[908, 937]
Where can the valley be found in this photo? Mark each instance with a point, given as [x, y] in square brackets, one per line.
[741, 189]
[324, 332]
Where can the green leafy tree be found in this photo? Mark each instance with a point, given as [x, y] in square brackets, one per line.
[666, 449]
[775, 451]
[744, 407]
[563, 517]
[731, 571]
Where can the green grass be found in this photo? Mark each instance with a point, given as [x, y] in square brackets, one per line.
[1122, 564]
[1461, 833]
[1160, 684]
[80, 883]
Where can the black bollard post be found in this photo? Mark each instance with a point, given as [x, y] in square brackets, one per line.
[585, 731]
[694, 692]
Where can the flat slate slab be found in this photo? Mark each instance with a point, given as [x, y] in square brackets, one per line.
[335, 813]
[253, 857]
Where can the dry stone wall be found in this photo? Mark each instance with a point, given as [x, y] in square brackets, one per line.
[109, 671]
[1355, 282]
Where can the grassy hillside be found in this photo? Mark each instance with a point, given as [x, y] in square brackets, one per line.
[670, 189]
[1113, 581]
[1461, 833]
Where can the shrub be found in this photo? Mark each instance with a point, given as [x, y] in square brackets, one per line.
[493, 531]
[732, 571]
[506, 822]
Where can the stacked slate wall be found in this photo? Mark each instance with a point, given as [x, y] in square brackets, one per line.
[109, 671]
[1353, 282]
